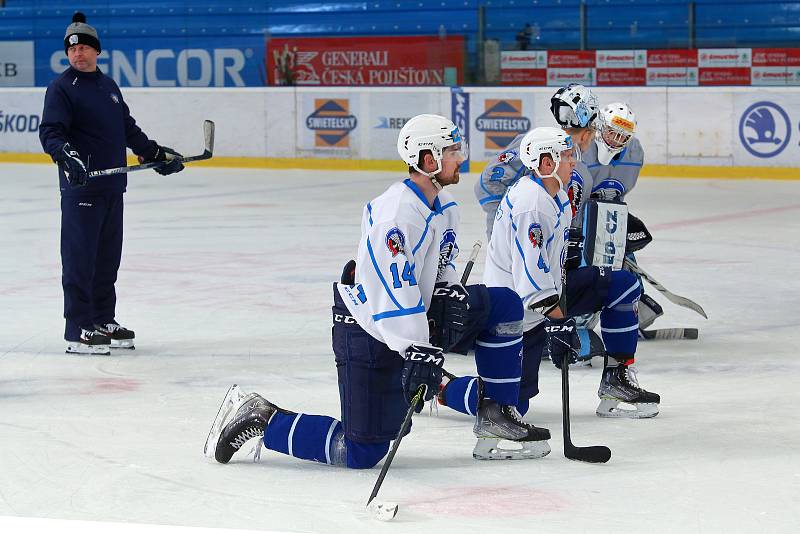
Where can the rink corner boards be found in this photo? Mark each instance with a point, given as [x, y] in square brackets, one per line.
[334, 164]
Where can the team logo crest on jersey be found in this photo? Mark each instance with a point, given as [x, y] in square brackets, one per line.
[115, 98]
[507, 157]
[448, 249]
[575, 191]
[535, 234]
[396, 242]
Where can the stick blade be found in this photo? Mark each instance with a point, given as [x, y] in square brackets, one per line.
[595, 454]
[208, 134]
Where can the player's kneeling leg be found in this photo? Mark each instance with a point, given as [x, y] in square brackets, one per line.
[498, 426]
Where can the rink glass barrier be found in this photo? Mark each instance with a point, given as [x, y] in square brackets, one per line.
[686, 131]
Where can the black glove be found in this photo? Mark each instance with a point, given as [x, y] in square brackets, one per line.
[448, 315]
[562, 340]
[70, 162]
[169, 156]
[423, 367]
[638, 236]
[574, 245]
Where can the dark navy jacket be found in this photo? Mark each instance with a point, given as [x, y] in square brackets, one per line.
[86, 110]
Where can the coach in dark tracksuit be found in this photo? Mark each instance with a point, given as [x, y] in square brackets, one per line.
[87, 126]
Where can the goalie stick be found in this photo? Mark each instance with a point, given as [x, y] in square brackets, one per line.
[208, 151]
[676, 299]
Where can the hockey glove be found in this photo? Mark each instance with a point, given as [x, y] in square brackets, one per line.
[448, 315]
[171, 159]
[422, 367]
[574, 255]
[638, 236]
[70, 162]
[562, 340]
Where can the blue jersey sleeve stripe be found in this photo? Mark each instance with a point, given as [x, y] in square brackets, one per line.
[380, 275]
[493, 198]
[449, 205]
[369, 209]
[422, 237]
[398, 313]
[628, 164]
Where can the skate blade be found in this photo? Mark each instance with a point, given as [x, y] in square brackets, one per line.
[122, 344]
[230, 404]
[642, 410]
[80, 348]
[503, 449]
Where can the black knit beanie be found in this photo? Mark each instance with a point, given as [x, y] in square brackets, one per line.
[80, 33]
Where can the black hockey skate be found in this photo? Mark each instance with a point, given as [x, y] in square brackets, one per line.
[121, 337]
[241, 418]
[90, 342]
[502, 435]
[619, 385]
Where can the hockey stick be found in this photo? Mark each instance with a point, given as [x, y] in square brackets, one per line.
[476, 248]
[676, 299]
[596, 454]
[208, 151]
[386, 511]
[671, 333]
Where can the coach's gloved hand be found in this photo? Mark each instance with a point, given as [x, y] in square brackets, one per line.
[448, 315]
[70, 162]
[422, 367]
[171, 158]
[574, 245]
[562, 340]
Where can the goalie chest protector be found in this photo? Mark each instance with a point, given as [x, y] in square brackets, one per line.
[605, 226]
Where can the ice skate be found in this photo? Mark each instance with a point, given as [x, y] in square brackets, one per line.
[502, 435]
[91, 342]
[619, 385]
[121, 337]
[240, 418]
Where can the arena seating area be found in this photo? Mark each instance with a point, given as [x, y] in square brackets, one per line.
[555, 24]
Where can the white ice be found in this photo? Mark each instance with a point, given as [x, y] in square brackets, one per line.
[226, 278]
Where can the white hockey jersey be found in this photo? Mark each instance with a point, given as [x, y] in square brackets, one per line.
[526, 251]
[619, 177]
[406, 247]
[506, 169]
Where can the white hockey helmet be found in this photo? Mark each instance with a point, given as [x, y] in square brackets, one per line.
[616, 125]
[574, 106]
[429, 132]
[544, 140]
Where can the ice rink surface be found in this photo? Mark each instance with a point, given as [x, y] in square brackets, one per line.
[227, 278]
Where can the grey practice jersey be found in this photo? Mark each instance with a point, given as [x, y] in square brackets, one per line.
[617, 178]
[506, 169]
